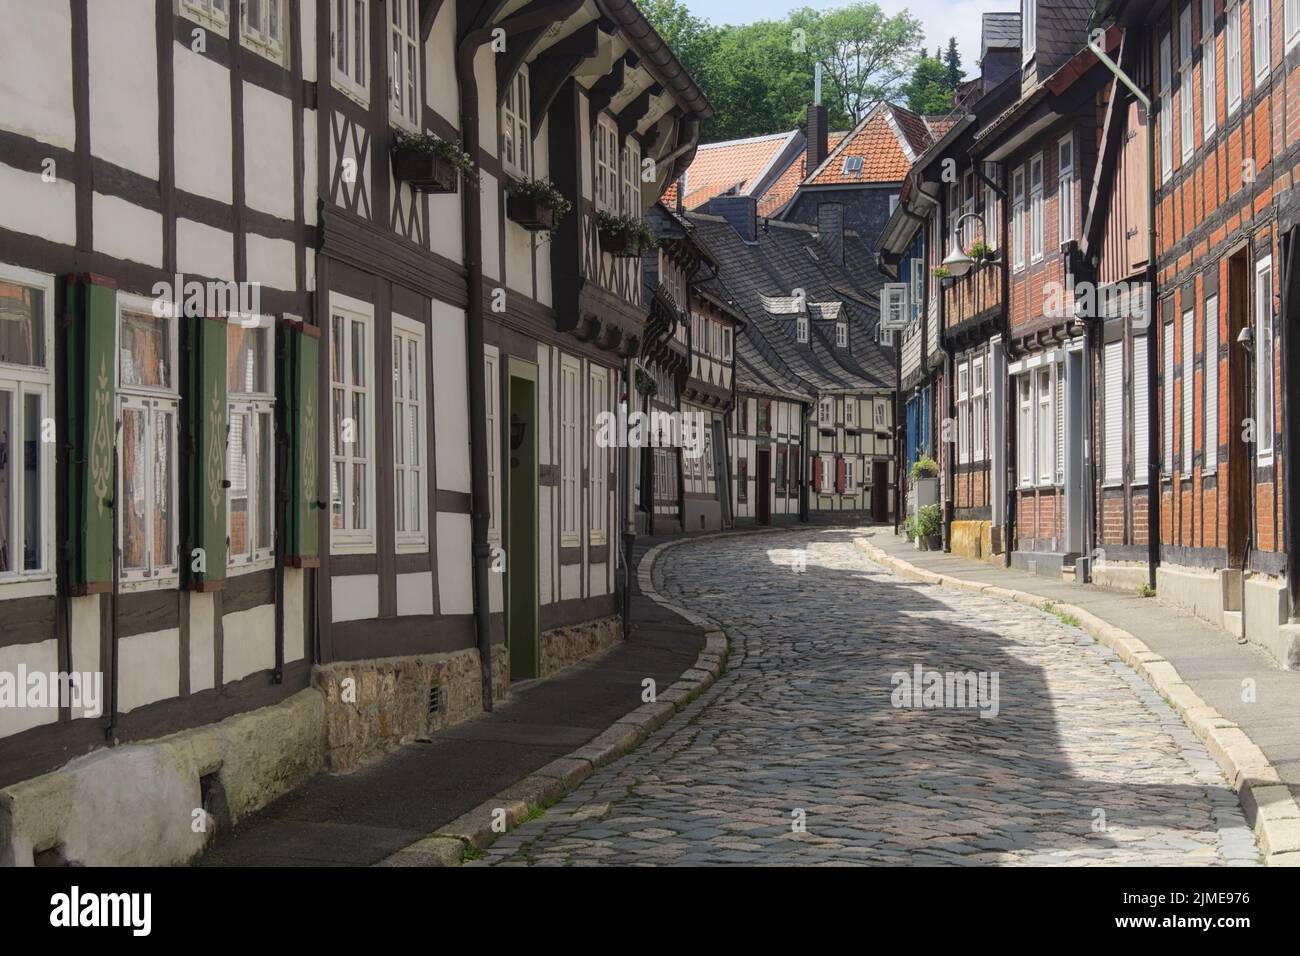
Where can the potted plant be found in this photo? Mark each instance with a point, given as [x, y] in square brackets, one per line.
[944, 276]
[645, 382]
[624, 235]
[430, 164]
[981, 251]
[924, 467]
[926, 527]
[536, 204]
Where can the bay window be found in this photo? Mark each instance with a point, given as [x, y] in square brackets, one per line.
[410, 481]
[352, 473]
[250, 444]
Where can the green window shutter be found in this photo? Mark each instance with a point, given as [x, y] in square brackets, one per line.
[206, 417]
[90, 421]
[298, 405]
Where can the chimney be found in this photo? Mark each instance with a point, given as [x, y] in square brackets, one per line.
[830, 229]
[817, 135]
[740, 211]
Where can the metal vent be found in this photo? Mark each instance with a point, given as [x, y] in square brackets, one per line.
[437, 700]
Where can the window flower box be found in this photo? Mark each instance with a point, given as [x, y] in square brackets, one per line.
[624, 236]
[536, 204]
[429, 164]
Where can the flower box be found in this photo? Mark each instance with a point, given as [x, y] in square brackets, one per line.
[424, 171]
[531, 213]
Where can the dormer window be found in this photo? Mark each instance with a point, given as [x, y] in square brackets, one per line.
[852, 164]
[1029, 28]
[841, 335]
[516, 127]
[801, 328]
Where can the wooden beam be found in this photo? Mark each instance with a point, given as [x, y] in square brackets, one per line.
[604, 89]
[555, 63]
[428, 13]
[636, 109]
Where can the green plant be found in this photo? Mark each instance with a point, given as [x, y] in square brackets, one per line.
[1146, 590]
[448, 149]
[924, 467]
[471, 852]
[542, 191]
[639, 234]
[979, 249]
[941, 272]
[645, 383]
[928, 521]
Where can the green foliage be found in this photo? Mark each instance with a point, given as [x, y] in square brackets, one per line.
[952, 63]
[941, 272]
[449, 149]
[639, 233]
[927, 521]
[1146, 590]
[545, 192]
[924, 467]
[928, 90]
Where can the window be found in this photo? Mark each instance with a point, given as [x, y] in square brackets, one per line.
[214, 12]
[1264, 424]
[598, 458]
[848, 476]
[780, 472]
[828, 474]
[1046, 428]
[350, 46]
[26, 400]
[1261, 49]
[410, 490]
[631, 169]
[250, 444]
[742, 479]
[492, 390]
[1166, 98]
[260, 27]
[841, 335]
[893, 203]
[1141, 412]
[1188, 444]
[990, 206]
[404, 71]
[516, 136]
[1167, 467]
[1291, 22]
[801, 328]
[1212, 383]
[606, 165]
[1065, 188]
[569, 451]
[1112, 413]
[1232, 57]
[352, 473]
[1186, 116]
[850, 414]
[853, 164]
[893, 305]
[1025, 430]
[977, 408]
[1036, 208]
[824, 412]
[742, 417]
[1018, 219]
[1209, 81]
[969, 226]
[1028, 28]
[963, 413]
[148, 406]
[916, 294]
[726, 345]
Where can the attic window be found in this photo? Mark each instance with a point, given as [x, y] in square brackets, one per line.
[841, 335]
[801, 328]
[853, 164]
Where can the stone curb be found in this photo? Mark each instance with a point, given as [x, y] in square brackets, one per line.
[1267, 803]
[473, 831]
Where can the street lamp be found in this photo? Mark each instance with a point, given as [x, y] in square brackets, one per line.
[958, 263]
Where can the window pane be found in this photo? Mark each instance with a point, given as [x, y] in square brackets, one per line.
[358, 353]
[22, 325]
[412, 371]
[8, 434]
[358, 493]
[357, 448]
[247, 365]
[359, 34]
[144, 349]
[163, 555]
[133, 490]
[336, 349]
[336, 495]
[265, 463]
[237, 474]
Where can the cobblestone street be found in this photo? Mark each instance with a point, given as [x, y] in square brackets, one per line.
[798, 755]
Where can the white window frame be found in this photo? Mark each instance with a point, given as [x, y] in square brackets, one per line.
[1025, 429]
[1065, 188]
[517, 127]
[963, 413]
[824, 411]
[828, 474]
[1188, 446]
[254, 403]
[570, 451]
[405, 90]
[1232, 65]
[1291, 23]
[1028, 29]
[1018, 219]
[969, 226]
[344, 74]
[1167, 389]
[1261, 20]
[977, 408]
[850, 416]
[1036, 210]
[1210, 459]
[23, 380]
[1186, 95]
[916, 290]
[1045, 427]
[265, 37]
[349, 539]
[493, 438]
[801, 328]
[1265, 343]
[408, 332]
[841, 335]
[605, 167]
[848, 476]
[1166, 95]
[1140, 412]
[150, 401]
[598, 460]
[1209, 78]
[1112, 407]
[211, 13]
[630, 178]
[990, 206]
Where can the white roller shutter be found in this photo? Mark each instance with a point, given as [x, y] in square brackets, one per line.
[1141, 412]
[1060, 424]
[1112, 413]
[1167, 388]
[1212, 383]
[1187, 446]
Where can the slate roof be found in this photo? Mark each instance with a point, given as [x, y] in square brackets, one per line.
[760, 279]
[1000, 31]
[782, 191]
[738, 165]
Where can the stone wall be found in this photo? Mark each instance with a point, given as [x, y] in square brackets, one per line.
[563, 646]
[374, 706]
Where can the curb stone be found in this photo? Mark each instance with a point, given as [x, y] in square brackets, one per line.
[449, 844]
[1267, 803]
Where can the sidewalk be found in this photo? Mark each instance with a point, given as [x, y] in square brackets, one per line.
[1207, 659]
[359, 818]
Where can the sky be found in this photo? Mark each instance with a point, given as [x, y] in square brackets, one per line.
[940, 19]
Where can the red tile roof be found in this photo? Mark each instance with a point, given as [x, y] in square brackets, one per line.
[735, 164]
[882, 140]
[782, 191]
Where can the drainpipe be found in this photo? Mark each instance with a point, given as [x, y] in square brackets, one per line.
[472, 220]
[804, 452]
[1291, 437]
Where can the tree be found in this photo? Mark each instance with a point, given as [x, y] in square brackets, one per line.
[952, 60]
[928, 90]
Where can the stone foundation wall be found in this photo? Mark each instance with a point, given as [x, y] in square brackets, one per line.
[374, 706]
[563, 646]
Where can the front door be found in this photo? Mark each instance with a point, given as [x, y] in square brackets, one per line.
[521, 521]
[763, 487]
[880, 491]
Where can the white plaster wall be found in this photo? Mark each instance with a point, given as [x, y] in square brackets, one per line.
[570, 581]
[36, 72]
[271, 262]
[149, 668]
[202, 111]
[295, 633]
[123, 84]
[247, 642]
[415, 593]
[441, 91]
[308, 32]
[203, 250]
[203, 654]
[445, 226]
[43, 657]
[450, 411]
[485, 75]
[311, 269]
[455, 590]
[598, 579]
[519, 259]
[355, 597]
[310, 183]
[83, 627]
[268, 151]
[127, 231]
[31, 206]
[489, 203]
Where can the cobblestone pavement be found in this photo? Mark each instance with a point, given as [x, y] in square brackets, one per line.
[1083, 764]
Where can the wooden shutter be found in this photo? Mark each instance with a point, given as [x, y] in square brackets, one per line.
[205, 416]
[839, 474]
[1135, 188]
[817, 472]
[298, 370]
[89, 426]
